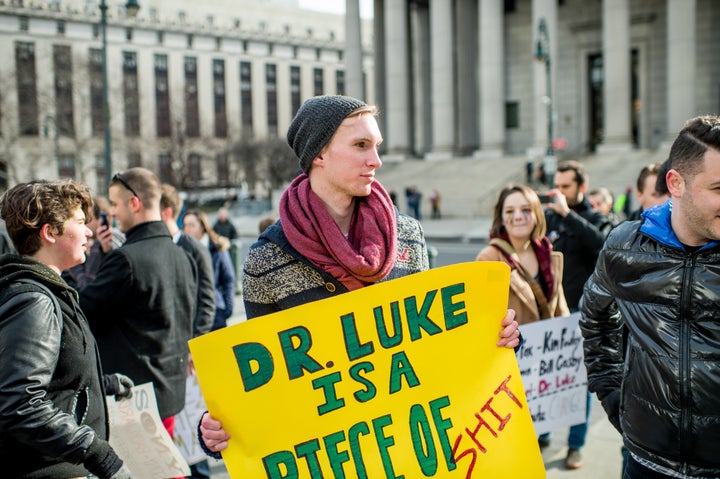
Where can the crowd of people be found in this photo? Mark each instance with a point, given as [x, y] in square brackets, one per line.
[99, 294]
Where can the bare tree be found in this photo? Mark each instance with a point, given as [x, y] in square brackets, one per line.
[264, 164]
[280, 162]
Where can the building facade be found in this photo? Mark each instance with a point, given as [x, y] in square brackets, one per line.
[470, 78]
[483, 78]
[185, 84]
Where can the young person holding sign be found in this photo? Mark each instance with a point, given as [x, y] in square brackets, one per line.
[338, 229]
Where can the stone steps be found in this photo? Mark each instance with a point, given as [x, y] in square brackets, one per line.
[469, 187]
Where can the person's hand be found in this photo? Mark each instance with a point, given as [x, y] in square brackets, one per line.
[558, 204]
[104, 235]
[190, 370]
[510, 334]
[213, 434]
[118, 385]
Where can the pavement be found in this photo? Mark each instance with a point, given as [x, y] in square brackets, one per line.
[469, 189]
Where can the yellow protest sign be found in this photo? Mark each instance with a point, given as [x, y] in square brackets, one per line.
[397, 380]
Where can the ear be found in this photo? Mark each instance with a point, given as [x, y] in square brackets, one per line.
[135, 203]
[48, 233]
[583, 188]
[675, 183]
[166, 214]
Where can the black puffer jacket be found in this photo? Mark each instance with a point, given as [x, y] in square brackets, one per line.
[53, 417]
[651, 323]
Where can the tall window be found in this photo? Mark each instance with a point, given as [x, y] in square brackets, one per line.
[192, 107]
[100, 183]
[66, 166]
[194, 169]
[223, 168]
[219, 96]
[165, 169]
[132, 97]
[162, 97]
[134, 159]
[27, 88]
[318, 84]
[246, 99]
[96, 94]
[294, 88]
[271, 89]
[62, 66]
[340, 82]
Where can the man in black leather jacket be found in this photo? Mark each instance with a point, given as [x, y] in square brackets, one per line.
[650, 319]
[53, 418]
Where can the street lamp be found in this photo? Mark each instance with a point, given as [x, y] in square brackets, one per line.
[131, 9]
[542, 53]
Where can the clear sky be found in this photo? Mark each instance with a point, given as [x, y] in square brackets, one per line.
[337, 6]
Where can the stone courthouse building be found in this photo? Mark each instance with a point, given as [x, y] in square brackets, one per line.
[464, 77]
[187, 81]
[471, 78]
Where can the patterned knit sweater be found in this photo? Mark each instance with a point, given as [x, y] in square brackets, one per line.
[277, 277]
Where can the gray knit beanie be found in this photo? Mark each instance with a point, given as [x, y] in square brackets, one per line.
[315, 123]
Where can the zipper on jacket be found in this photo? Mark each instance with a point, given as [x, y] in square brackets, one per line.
[684, 354]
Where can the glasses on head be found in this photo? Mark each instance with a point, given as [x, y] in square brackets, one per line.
[119, 179]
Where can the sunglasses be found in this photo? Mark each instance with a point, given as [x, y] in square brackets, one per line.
[117, 178]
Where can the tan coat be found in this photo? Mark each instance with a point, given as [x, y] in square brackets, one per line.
[521, 297]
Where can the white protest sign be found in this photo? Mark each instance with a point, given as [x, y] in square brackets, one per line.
[187, 420]
[553, 372]
[138, 436]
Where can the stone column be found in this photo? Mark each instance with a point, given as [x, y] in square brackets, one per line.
[617, 135]
[398, 92]
[442, 80]
[543, 9]
[421, 133]
[379, 64]
[466, 98]
[353, 51]
[681, 66]
[492, 80]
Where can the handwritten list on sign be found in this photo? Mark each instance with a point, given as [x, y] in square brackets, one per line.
[553, 372]
[140, 439]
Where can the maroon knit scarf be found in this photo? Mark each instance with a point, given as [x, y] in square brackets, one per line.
[368, 253]
[543, 250]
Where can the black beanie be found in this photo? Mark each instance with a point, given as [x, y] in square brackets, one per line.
[315, 123]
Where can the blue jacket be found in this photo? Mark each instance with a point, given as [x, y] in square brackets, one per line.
[224, 285]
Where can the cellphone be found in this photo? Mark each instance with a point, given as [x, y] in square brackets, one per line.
[104, 219]
[546, 199]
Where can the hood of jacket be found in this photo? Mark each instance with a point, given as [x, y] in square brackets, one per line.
[657, 225]
[14, 267]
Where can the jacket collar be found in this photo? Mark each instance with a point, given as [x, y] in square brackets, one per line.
[658, 226]
[149, 229]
